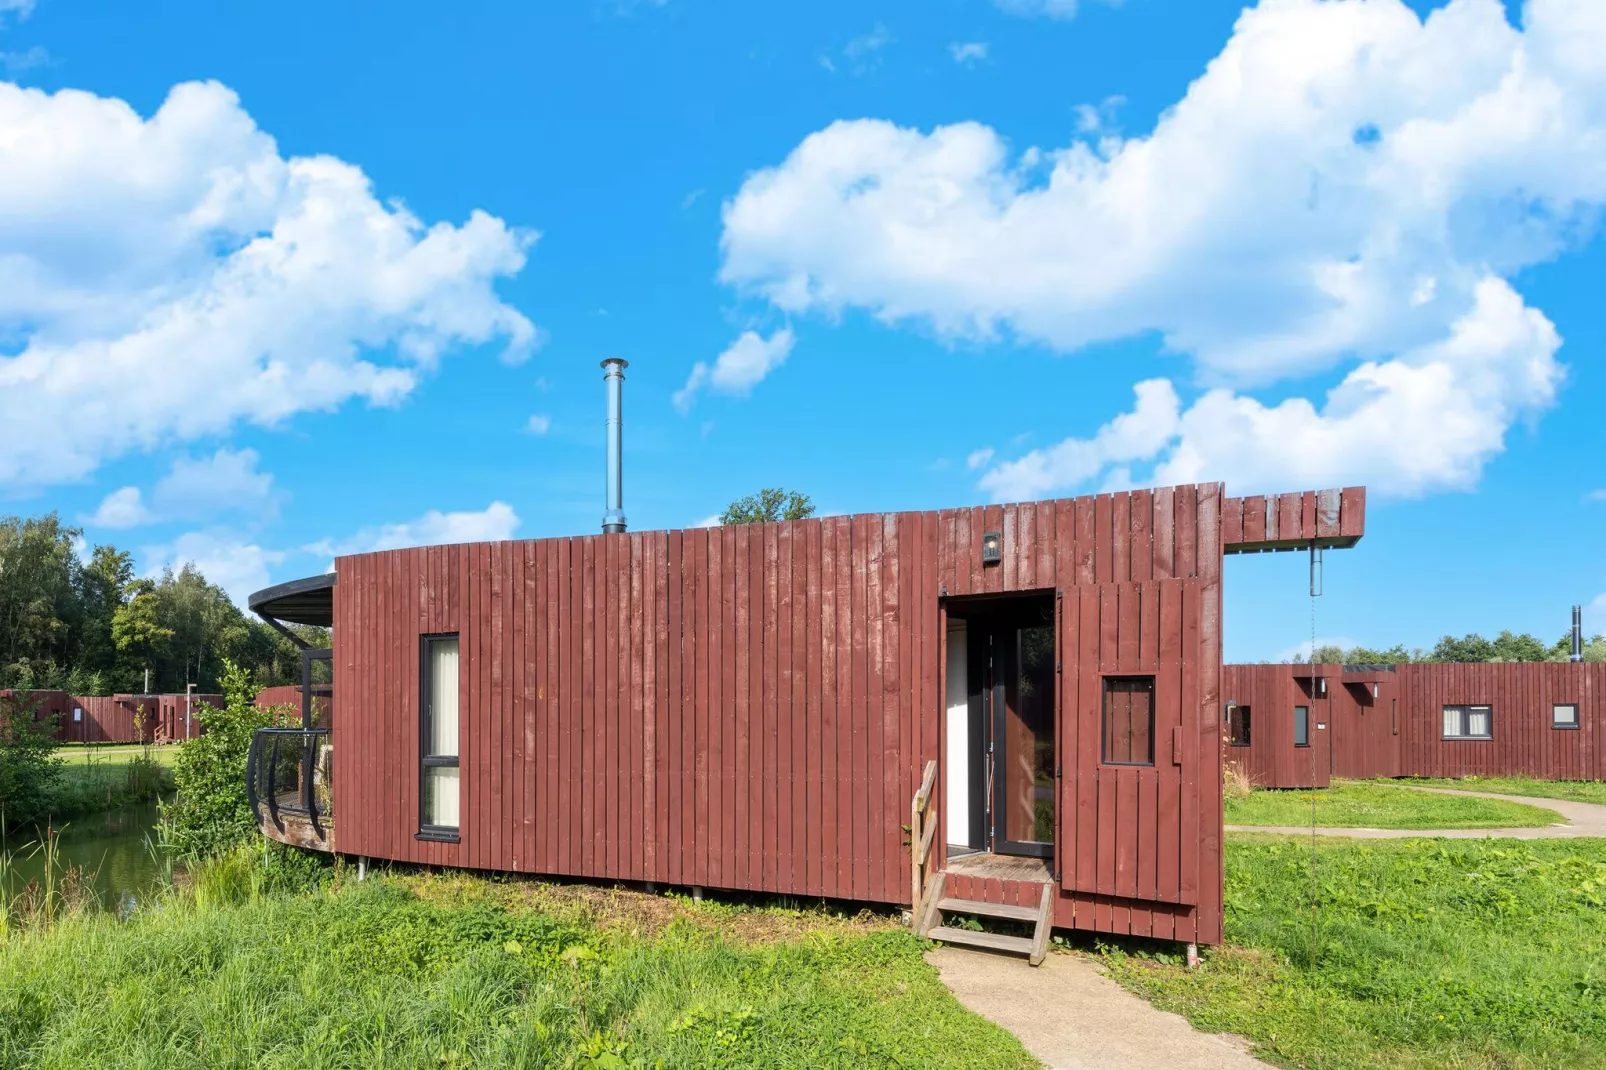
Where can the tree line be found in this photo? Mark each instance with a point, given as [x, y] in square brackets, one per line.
[78, 619]
[1472, 647]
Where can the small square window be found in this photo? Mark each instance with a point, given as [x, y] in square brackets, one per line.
[1301, 726]
[1238, 726]
[1129, 720]
[1468, 722]
[1564, 715]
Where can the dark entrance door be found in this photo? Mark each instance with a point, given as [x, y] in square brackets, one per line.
[1013, 674]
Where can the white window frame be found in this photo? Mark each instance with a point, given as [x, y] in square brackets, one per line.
[1464, 711]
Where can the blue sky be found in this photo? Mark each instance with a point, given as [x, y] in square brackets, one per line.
[290, 280]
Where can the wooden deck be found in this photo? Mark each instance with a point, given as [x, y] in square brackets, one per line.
[985, 866]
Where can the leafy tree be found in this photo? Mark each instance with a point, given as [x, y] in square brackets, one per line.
[1471, 647]
[137, 626]
[28, 760]
[1524, 647]
[210, 812]
[769, 504]
[1394, 655]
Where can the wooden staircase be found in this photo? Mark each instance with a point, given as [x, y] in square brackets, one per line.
[929, 922]
[930, 903]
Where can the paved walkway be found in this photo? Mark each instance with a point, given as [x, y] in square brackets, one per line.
[1583, 819]
[1073, 1018]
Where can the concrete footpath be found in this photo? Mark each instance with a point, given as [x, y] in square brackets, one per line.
[1582, 819]
[1073, 1018]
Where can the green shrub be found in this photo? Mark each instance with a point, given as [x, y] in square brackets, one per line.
[210, 814]
[28, 760]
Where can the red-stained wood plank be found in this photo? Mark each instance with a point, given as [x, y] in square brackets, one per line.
[1102, 540]
[859, 708]
[1232, 521]
[1352, 514]
[677, 709]
[1127, 825]
[1255, 519]
[1120, 537]
[815, 784]
[1009, 567]
[1141, 554]
[1089, 705]
[1165, 505]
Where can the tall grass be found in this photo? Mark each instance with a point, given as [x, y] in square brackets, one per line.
[105, 784]
[1429, 953]
[61, 889]
[373, 975]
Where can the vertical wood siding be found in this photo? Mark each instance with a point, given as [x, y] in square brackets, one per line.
[1361, 726]
[751, 707]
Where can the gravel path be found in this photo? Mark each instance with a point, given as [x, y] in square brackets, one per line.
[1073, 1018]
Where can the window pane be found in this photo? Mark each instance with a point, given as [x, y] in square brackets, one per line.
[442, 697]
[1477, 720]
[1301, 726]
[1238, 726]
[440, 797]
[1129, 720]
[1564, 716]
[1452, 720]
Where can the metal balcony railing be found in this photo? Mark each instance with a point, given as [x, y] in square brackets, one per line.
[289, 774]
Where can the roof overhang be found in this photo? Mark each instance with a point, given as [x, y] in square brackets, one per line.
[305, 601]
[1325, 519]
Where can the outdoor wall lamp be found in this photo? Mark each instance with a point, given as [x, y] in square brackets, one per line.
[992, 547]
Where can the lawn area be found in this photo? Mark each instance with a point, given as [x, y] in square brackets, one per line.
[1369, 804]
[95, 778]
[456, 972]
[1590, 791]
[1429, 953]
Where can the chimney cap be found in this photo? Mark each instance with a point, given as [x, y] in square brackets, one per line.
[622, 362]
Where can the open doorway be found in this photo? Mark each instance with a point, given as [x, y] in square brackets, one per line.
[1002, 678]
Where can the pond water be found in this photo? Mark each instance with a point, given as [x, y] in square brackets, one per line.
[116, 849]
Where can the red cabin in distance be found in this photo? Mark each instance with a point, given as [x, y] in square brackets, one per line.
[1431, 719]
[757, 707]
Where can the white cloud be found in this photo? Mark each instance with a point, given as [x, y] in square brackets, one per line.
[538, 424]
[19, 9]
[1596, 495]
[1302, 650]
[979, 458]
[123, 508]
[1053, 9]
[708, 522]
[195, 489]
[1137, 435]
[968, 53]
[169, 278]
[495, 523]
[1346, 186]
[742, 366]
[1595, 615]
[226, 559]
[861, 53]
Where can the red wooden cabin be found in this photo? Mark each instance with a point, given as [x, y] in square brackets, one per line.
[1544, 719]
[755, 707]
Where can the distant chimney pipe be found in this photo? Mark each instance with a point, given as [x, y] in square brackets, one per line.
[613, 521]
[1578, 633]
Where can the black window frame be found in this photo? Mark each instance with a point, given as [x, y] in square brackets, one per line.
[1247, 724]
[426, 830]
[1559, 726]
[1298, 710]
[1104, 719]
[1466, 709]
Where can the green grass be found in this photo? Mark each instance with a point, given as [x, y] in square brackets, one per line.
[1367, 804]
[1590, 791]
[448, 972]
[100, 780]
[1428, 953]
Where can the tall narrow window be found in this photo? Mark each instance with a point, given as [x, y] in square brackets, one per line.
[1129, 720]
[1564, 715]
[1468, 722]
[1238, 726]
[438, 785]
[1301, 726]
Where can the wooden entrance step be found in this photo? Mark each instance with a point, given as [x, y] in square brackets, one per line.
[929, 921]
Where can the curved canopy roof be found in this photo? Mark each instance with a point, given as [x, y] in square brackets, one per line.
[305, 601]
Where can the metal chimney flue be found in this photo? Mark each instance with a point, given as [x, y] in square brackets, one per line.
[1578, 633]
[613, 374]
